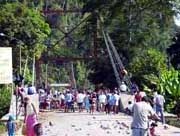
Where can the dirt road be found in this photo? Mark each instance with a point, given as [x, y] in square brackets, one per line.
[99, 124]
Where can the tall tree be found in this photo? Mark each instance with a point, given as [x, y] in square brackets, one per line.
[23, 27]
[135, 25]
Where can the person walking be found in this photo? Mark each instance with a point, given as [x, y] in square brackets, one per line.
[117, 98]
[11, 126]
[102, 101]
[108, 106]
[68, 101]
[141, 111]
[87, 102]
[93, 102]
[80, 100]
[30, 118]
[112, 102]
[159, 105]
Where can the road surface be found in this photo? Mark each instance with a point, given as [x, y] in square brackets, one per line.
[83, 124]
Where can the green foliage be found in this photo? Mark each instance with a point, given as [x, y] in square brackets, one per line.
[170, 83]
[170, 87]
[56, 73]
[147, 66]
[5, 98]
[25, 25]
[177, 108]
[63, 75]
[2, 128]
[28, 76]
[135, 26]
[173, 121]
[81, 74]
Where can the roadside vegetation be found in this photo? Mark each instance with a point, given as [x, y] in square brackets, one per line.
[143, 32]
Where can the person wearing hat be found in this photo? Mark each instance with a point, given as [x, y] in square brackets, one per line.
[11, 126]
[141, 111]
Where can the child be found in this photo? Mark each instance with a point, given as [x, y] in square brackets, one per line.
[38, 129]
[152, 129]
[11, 126]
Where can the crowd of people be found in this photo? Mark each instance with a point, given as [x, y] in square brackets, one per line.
[103, 100]
[142, 108]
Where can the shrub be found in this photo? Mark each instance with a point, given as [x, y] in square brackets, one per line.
[170, 88]
[5, 98]
[147, 66]
[2, 128]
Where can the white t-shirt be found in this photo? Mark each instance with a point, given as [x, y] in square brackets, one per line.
[159, 100]
[62, 97]
[80, 98]
[141, 111]
[69, 97]
[123, 87]
[102, 98]
[117, 99]
[129, 107]
[55, 92]
[26, 90]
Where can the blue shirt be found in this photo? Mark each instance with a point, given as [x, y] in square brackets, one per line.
[112, 100]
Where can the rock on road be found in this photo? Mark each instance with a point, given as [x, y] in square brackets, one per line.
[99, 124]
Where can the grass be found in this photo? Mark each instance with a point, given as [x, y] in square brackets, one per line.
[173, 121]
[2, 128]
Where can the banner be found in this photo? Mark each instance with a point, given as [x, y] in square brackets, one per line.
[6, 65]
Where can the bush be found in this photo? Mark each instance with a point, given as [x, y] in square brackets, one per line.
[177, 108]
[2, 128]
[5, 98]
[147, 66]
[170, 88]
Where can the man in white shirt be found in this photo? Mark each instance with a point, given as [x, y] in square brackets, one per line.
[141, 111]
[80, 100]
[61, 100]
[117, 97]
[159, 105]
[68, 101]
[102, 101]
